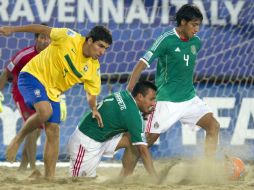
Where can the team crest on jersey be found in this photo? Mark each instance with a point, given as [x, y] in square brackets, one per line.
[156, 125]
[71, 33]
[193, 50]
[37, 93]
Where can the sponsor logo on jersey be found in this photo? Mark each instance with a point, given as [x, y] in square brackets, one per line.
[71, 33]
[177, 49]
[148, 55]
[193, 50]
[37, 93]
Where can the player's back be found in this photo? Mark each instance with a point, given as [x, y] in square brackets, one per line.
[115, 111]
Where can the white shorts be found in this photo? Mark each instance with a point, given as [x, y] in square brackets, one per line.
[86, 153]
[167, 113]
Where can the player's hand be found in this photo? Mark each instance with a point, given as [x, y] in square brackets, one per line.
[63, 107]
[5, 31]
[97, 116]
[1, 100]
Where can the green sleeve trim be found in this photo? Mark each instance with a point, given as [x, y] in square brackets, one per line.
[70, 63]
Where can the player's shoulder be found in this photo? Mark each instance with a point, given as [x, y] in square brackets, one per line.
[66, 32]
[28, 51]
[196, 38]
[167, 35]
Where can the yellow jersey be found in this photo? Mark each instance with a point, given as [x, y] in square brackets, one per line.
[62, 65]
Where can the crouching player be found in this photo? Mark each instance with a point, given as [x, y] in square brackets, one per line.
[123, 127]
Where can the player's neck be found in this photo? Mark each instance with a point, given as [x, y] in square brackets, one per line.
[181, 34]
[85, 50]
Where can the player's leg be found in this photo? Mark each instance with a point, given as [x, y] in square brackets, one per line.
[212, 127]
[131, 154]
[51, 148]
[159, 121]
[24, 161]
[198, 113]
[35, 96]
[43, 112]
[29, 149]
[85, 155]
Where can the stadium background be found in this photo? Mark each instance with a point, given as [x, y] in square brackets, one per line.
[223, 75]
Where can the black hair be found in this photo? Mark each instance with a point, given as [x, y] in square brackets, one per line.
[142, 88]
[100, 33]
[188, 12]
[36, 35]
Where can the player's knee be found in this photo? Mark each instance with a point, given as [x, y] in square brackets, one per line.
[45, 115]
[52, 132]
[214, 127]
[151, 138]
[44, 111]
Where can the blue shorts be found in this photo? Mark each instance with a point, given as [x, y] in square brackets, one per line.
[33, 91]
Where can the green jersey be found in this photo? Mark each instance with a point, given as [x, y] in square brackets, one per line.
[119, 113]
[175, 67]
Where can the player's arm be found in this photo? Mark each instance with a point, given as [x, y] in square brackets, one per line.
[136, 74]
[33, 28]
[3, 79]
[92, 102]
[147, 159]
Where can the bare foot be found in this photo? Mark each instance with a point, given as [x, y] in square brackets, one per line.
[22, 168]
[35, 174]
[12, 150]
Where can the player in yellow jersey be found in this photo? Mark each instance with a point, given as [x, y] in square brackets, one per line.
[68, 60]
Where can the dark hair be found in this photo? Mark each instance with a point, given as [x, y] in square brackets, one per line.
[188, 12]
[100, 33]
[142, 88]
[36, 35]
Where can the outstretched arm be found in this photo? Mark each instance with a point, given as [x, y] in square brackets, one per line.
[91, 99]
[3, 79]
[147, 160]
[33, 28]
[136, 74]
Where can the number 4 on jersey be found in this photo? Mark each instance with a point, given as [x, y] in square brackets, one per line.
[186, 59]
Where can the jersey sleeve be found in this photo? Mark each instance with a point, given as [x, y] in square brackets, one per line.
[58, 35]
[15, 61]
[157, 49]
[10, 67]
[135, 127]
[94, 86]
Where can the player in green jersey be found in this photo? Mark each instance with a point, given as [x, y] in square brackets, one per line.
[123, 126]
[176, 51]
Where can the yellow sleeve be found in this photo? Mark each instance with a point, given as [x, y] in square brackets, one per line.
[93, 87]
[60, 34]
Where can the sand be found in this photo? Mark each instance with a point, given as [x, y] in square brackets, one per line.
[184, 175]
